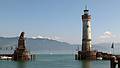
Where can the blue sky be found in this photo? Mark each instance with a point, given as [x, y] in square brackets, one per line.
[60, 19]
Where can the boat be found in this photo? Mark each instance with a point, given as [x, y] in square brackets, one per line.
[99, 58]
[5, 58]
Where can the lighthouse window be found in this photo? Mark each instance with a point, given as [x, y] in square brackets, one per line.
[87, 26]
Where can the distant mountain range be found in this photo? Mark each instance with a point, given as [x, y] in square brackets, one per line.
[49, 46]
[38, 45]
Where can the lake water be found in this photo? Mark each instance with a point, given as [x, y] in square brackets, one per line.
[54, 61]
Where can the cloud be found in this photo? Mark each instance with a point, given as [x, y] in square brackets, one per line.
[106, 34]
[46, 37]
[39, 36]
[106, 37]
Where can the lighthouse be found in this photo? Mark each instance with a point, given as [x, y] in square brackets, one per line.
[86, 51]
[86, 31]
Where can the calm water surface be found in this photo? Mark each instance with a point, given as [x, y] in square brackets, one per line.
[54, 61]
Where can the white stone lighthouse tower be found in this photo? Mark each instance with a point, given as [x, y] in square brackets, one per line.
[87, 52]
[86, 36]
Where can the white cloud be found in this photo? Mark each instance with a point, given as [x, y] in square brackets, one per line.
[39, 36]
[106, 34]
[35, 37]
[46, 37]
[106, 37]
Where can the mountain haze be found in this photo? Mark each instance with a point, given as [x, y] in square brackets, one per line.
[49, 46]
[39, 45]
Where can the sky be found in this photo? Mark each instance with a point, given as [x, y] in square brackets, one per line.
[60, 19]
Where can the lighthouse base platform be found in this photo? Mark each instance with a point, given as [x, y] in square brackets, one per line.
[93, 55]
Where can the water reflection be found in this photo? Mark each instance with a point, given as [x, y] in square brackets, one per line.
[86, 64]
[21, 64]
